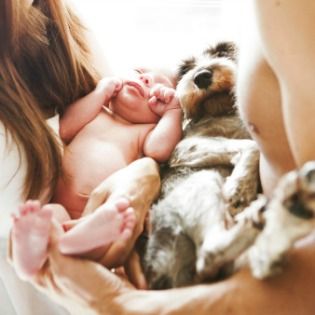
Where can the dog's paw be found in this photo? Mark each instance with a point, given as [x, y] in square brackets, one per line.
[187, 156]
[239, 193]
[208, 264]
[289, 216]
[264, 262]
[199, 152]
[220, 249]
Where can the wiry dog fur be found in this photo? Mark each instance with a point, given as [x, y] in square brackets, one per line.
[212, 175]
[266, 230]
[198, 226]
[287, 217]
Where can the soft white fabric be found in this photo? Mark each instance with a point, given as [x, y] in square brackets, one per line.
[19, 297]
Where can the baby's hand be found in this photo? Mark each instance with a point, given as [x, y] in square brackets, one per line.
[162, 99]
[110, 86]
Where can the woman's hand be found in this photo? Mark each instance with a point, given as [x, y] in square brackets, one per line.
[140, 184]
[86, 287]
[134, 271]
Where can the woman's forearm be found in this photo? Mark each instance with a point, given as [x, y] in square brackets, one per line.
[289, 293]
[139, 182]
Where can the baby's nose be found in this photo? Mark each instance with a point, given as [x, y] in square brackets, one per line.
[146, 79]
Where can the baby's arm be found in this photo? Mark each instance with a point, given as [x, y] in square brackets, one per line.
[161, 141]
[84, 110]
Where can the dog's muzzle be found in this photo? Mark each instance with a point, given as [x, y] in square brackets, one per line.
[203, 78]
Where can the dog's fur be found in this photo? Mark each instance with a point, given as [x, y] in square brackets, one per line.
[287, 217]
[212, 174]
[199, 230]
[266, 230]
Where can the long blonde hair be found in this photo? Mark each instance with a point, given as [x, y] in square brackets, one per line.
[44, 66]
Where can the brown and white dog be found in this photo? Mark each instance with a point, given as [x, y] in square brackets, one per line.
[212, 174]
[205, 224]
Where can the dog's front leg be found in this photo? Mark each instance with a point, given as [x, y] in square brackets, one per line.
[207, 152]
[241, 186]
[230, 244]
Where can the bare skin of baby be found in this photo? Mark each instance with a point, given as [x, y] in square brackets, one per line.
[116, 124]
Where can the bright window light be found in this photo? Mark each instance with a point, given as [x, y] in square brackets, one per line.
[156, 32]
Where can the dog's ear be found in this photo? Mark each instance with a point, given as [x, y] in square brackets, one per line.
[223, 49]
[184, 67]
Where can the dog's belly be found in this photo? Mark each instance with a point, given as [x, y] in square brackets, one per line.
[180, 223]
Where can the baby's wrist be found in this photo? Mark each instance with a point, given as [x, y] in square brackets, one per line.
[173, 106]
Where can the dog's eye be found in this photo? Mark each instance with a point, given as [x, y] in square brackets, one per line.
[186, 66]
[223, 49]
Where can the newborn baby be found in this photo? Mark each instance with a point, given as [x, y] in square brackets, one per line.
[117, 123]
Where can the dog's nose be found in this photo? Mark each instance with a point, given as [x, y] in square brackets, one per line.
[203, 78]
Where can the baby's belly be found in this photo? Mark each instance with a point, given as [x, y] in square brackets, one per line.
[86, 164]
[89, 166]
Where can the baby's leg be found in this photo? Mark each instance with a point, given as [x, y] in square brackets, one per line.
[30, 236]
[114, 220]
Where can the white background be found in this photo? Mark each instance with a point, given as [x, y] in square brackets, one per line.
[157, 32]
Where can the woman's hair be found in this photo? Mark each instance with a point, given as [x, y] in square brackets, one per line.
[44, 66]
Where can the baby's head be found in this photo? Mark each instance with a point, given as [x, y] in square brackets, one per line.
[132, 101]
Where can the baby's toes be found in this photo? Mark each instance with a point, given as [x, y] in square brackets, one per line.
[29, 206]
[129, 222]
[122, 204]
[129, 218]
[45, 214]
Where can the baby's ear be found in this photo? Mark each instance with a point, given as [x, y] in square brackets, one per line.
[223, 49]
[184, 67]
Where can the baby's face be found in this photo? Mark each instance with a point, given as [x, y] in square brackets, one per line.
[131, 103]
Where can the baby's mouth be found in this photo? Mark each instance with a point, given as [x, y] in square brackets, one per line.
[137, 86]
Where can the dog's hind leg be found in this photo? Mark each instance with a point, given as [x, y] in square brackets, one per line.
[222, 249]
[289, 216]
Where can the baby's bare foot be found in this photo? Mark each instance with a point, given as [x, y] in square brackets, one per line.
[30, 237]
[112, 221]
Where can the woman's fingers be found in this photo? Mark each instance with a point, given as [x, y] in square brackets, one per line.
[98, 196]
[117, 254]
[134, 271]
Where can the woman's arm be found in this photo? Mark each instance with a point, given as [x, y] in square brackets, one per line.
[139, 182]
[100, 291]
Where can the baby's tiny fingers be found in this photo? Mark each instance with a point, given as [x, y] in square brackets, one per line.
[152, 101]
[118, 84]
[168, 95]
[157, 90]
